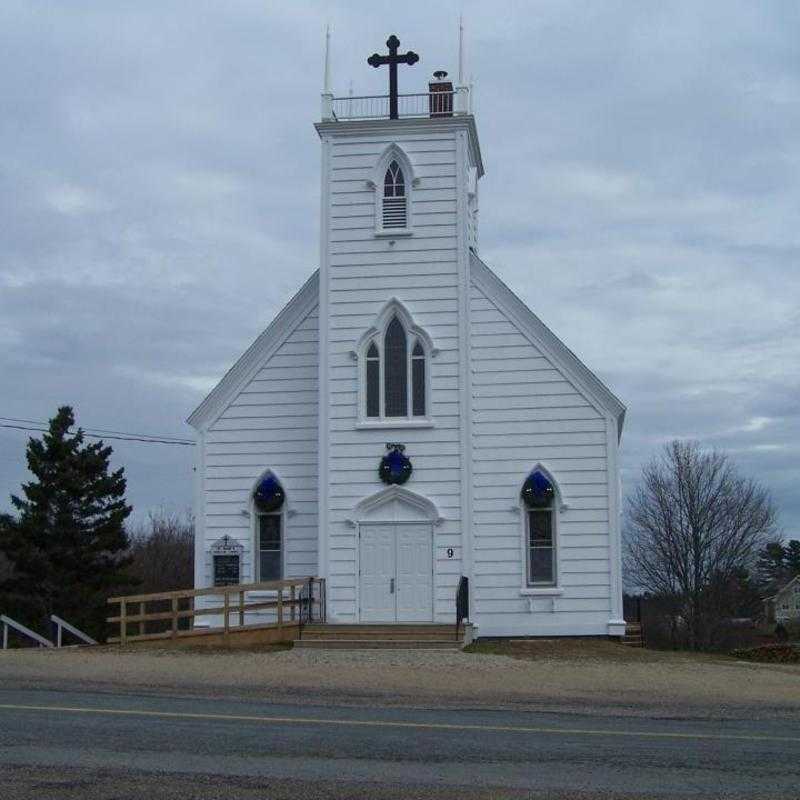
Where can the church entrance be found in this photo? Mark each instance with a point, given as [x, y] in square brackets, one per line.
[396, 572]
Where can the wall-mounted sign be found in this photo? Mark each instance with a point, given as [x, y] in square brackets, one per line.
[226, 560]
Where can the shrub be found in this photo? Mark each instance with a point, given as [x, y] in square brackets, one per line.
[770, 654]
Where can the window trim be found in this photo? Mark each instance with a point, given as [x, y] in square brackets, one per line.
[286, 511]
[556, 509]
[376, 334]
[529, 581]
[393, 152]
[409, 419]
[281, 514]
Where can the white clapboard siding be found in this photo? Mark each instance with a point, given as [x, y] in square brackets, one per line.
[272, 423]
[364, 272]
[527, 410]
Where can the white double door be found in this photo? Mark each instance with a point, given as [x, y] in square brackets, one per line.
[396, 572]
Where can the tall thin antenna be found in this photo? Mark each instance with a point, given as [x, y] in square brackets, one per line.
[327, 80]
[461, 50]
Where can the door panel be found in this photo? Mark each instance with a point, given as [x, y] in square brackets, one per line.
[378, 570]
[414, 573]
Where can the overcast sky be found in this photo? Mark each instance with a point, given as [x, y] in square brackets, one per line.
[159, 203]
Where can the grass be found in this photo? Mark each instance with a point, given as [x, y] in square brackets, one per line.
[595, 649]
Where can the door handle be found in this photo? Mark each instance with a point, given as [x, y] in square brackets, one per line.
[391, 585]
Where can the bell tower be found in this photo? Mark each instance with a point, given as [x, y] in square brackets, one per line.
[398, 221]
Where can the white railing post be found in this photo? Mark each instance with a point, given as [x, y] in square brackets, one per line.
[20, 628]
[327, 106]
[462, 100]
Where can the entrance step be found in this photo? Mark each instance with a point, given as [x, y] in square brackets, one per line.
[411, 636]
[377, 644]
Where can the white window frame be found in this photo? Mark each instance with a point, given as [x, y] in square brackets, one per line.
[394, 153]
[557, 508]
[377, 334]
[257, 560]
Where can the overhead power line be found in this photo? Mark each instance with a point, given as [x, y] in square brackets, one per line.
[37, 426]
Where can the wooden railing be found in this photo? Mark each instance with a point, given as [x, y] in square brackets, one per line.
[294, 601]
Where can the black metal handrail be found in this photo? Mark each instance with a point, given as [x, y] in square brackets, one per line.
[462, 603]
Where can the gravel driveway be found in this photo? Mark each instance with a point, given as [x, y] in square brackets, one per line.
[575, 676]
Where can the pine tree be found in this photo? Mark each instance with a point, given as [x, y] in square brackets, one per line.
[771, 566]
[66, 546]
[793, 557]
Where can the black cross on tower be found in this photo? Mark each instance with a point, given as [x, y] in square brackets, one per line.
[393, 60]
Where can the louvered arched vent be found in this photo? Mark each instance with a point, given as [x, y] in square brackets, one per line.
[395, 208]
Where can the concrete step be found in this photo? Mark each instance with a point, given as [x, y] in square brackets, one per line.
[385, 632]
[377, 644]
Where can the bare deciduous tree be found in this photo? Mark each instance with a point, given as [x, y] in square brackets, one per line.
[692, 526]
[163, 552]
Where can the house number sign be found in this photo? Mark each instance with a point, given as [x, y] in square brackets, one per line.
[450, 552]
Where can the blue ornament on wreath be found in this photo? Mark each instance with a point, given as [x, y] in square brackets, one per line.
[269, 494]
[395, 467]
[537, 491]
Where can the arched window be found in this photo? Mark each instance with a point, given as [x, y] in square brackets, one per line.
[538, 496]
[396, 383]
[395, 375]
[373, 381]
[394, 198]
[268, 502]
[418, 380]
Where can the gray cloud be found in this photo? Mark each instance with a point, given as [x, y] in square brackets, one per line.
[159, 204]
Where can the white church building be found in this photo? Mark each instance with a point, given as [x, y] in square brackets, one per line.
[406, 419]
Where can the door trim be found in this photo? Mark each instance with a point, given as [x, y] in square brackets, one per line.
[427, 524]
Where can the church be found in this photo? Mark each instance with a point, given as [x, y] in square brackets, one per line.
[406, 425]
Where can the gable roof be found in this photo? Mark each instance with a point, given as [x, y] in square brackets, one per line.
[784, 588]
[531, 326]
[290, 316]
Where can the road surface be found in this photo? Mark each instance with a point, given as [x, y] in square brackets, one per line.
[89, 744]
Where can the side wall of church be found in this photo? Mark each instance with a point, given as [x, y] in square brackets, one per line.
[271, 424]
[527, 412]
[425, 272]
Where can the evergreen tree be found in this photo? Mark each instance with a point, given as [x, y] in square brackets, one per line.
[793, 557]
[66, 546]
[771, 566]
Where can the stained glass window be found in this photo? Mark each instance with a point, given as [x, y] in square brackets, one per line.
[396, 369]
[373, 381]
[269, 495]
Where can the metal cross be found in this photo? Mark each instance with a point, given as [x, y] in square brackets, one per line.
[393, 59]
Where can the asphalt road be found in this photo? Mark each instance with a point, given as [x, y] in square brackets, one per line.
[85, 744]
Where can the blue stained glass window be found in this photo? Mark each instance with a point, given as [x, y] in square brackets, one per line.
[269, 494]
[537, 491]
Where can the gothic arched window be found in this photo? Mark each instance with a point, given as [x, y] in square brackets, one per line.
[396, 383]
[268, 502]
[395, 211]
[395, 374]
[538, 496]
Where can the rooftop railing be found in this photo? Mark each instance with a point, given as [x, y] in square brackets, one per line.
[419, 106]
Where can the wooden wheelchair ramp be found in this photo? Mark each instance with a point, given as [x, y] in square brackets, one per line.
[240, 615]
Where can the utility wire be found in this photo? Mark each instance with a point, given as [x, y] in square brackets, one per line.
[122, 438]
[39, 423]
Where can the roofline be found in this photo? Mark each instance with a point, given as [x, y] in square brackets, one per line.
[357, 127]
[276, 333]
[550, 342]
